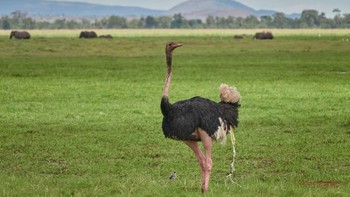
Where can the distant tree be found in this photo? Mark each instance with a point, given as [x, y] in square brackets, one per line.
[6, 24]
[323, 21]
[71, 24]
[98, 24]
[336, 11]
[337, 16]
[347, 20]
[133, 23]
[230, 22]
[117, 22]
[28, 23]
[280, 20]
[211, 22]
[142, 23]
[310, 18]
[85, 24]
[240, 22]
[251, 21]
[178, 21]
[195, 23]
[150, 22]
[164, 22]
[42, 25]
[59, 23]
[220, 22]
[265, 21]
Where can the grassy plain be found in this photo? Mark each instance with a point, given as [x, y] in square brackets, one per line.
[82, 117]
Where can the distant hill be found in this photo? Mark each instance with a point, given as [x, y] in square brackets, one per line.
[200, 9]
[191, 9]
[43, 7]
[195, 9]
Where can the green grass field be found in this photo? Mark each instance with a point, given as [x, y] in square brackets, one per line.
[82, 117]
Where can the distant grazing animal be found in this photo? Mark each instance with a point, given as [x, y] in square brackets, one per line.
[20, 35]
[199, 119]
[106, 36]
[88, 34]
[263, 35]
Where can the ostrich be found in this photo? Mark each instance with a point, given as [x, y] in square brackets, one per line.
[199, 119]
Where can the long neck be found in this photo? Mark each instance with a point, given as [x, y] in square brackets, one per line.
[165, 105]
[168, 74]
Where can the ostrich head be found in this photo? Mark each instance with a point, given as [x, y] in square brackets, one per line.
[229, 94]
[170, 46]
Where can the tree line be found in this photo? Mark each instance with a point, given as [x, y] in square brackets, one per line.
[307, 19]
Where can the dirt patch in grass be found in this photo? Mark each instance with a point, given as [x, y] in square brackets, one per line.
[322, 184]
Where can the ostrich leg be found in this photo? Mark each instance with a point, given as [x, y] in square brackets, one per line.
[204, 161]
[201, 159]
[207, 142]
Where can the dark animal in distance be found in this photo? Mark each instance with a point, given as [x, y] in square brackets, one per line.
[263, 35]
[106, 36]
[88, 34]
[20, 35]
[199, 119]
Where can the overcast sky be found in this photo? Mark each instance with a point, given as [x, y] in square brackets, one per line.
[286, 6]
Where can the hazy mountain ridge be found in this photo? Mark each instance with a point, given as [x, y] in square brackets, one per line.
[192, 9]
[43, 7]
[203, 8]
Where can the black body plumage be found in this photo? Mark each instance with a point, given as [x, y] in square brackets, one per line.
[182, 118]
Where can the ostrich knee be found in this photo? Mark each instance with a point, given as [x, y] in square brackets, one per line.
[202, 162]
[209, 164]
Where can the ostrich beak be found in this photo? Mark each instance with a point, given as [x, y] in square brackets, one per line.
[177, 45]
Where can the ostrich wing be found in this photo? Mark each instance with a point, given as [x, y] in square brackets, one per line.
[188, 115]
